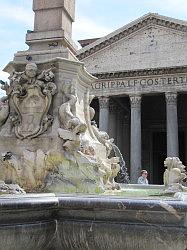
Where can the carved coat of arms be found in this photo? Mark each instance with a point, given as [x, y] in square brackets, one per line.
[31, 95]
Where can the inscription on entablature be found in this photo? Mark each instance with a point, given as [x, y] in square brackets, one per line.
[141, 84]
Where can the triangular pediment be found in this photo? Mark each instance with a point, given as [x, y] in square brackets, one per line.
[148, 20]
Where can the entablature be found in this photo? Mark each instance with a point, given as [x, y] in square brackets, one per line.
[160, 80]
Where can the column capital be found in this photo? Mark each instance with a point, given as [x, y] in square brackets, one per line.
[104, 102]
[171, 98]
[135, 101]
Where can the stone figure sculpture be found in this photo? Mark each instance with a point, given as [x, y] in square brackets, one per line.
[174, 174]
[53, 147]
[103, 137]
[81, 141]
[73, 127]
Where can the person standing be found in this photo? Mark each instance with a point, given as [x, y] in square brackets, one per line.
[143, 178]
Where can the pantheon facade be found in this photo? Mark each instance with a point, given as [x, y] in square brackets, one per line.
[141, 90]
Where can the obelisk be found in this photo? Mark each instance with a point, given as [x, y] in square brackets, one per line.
[52, 32]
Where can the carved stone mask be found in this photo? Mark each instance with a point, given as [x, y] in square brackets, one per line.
[31, 70]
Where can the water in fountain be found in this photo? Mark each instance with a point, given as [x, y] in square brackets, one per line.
[122, 176]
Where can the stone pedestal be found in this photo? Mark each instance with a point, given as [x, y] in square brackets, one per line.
[172, 125]
[135, 153]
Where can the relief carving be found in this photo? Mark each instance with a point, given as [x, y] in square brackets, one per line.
[31, 96]
[29, 170]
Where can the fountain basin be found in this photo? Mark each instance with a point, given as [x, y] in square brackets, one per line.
[61, 221]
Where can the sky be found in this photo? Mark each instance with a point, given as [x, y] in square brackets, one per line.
[94, 18]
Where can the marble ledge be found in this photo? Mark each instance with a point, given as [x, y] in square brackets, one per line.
[63, 221]
[33, 207]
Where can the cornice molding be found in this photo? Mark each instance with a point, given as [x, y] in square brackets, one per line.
[142, 72]
[150, 19]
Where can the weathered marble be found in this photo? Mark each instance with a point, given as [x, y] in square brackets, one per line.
[51, 142]
[174, 175]
[67, 222]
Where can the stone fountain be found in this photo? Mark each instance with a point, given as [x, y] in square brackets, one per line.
[49, 144]
[47, 141]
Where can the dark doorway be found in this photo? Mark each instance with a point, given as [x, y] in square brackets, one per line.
[95, 105]
[159, 155]
[182, 147]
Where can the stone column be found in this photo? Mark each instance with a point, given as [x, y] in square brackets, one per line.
[113, 108]
[135, 147]
[172, 124]
[103, 113]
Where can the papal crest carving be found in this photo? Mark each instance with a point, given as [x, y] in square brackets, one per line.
[31, 96]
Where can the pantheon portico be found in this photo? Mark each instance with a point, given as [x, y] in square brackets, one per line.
[141, 91]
